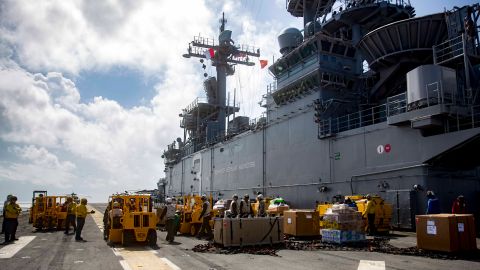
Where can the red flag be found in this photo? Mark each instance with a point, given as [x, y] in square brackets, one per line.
[210, 53]
[263, 63]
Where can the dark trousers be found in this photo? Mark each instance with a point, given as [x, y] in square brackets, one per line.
[170, 226]
[371, 224]
[70, 220]
[205, 228]
[3, 222]
[11, 225]
[78, 232]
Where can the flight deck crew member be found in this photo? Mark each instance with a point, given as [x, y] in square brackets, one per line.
[7, 201]
[205, 228]
[433, 204]
[245, 207]
[12, 210]
[232, 212]
[369, 213]
[81, 215]
[71, 214]
[261, 206]
[169, 214]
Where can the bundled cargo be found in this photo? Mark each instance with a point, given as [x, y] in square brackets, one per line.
[446, 232]
[277, 206]
[248, 231]
[302, 222]
[342, 224]
[339, 236]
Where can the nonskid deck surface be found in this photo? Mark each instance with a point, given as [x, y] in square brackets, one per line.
[55, 250]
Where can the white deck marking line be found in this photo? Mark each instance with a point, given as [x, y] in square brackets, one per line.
[10, 250]
[170, 263]
[136, 259]
[371, 265]
[125, 265]
[97, 217]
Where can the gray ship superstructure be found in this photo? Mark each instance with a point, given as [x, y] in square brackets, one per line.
[407, 123]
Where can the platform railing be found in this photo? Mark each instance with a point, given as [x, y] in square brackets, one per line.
[395, 105]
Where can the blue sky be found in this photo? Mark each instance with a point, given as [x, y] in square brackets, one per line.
[90, 91]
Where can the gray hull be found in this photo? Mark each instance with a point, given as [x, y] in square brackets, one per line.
[287, 159]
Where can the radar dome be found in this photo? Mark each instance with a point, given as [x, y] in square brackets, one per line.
[288, 39]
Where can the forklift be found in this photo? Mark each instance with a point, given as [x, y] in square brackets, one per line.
[136, 224]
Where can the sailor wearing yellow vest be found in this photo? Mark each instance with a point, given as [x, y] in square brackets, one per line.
[369, 213]
[81, 215]
[12, 210]
[71, 213]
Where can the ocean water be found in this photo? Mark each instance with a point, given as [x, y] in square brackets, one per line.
[24, 205]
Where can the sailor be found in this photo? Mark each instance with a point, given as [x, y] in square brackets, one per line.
[131, 205]
[262, 212]
[115, 214]
[245, 207]
[459, 206]
[369, 213]
[169, 214]
[232, 212]
[71, 214]
[40, 205]
[205, 215]
[12, 210]
[81, 215]
[105, 221]
[5, 206]
[433, 204]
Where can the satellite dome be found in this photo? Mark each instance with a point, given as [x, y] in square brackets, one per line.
[288, 39]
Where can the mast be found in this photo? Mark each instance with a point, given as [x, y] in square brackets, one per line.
[224, 56]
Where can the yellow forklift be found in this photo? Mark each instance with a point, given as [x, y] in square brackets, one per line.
[190, 213]
[46, 211]
[136, 223]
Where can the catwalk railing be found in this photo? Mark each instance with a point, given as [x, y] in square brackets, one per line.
[395, 105]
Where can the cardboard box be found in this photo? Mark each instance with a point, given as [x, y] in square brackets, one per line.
[248, 231]
[446, 232]
[301, 222]
[277, 210]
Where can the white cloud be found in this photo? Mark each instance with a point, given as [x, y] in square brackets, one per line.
[41, 156]
[101, 144]
[71, 36]
[38, 166]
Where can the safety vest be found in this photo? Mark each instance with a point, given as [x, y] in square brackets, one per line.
[12, 210]
[72, 208]
[170, 211]
[234, 207]
[81, 211]
[245, 207]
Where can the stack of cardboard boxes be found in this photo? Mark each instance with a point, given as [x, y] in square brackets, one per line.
[342, 224]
